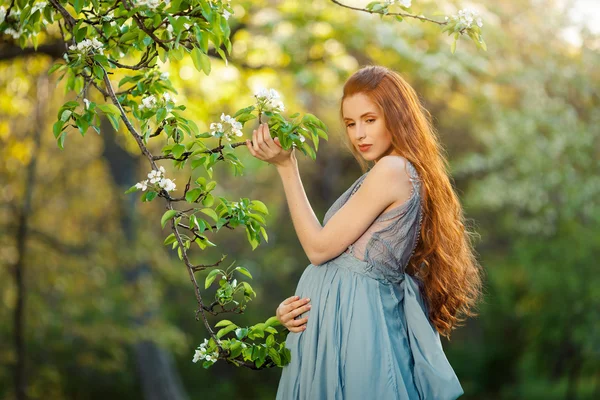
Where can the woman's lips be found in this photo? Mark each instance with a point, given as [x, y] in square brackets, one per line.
[365, 147]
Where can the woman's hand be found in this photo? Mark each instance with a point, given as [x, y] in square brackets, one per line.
[289, 309]
[265, 148]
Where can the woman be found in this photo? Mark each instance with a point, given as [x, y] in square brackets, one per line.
[391, 269]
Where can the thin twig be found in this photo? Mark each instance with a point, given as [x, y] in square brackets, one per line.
[407, 15]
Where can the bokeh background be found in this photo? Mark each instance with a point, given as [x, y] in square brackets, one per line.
[109, 311]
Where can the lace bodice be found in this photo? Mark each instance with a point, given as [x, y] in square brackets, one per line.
[390, 241]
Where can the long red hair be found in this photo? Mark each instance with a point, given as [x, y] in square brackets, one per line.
[444, 259]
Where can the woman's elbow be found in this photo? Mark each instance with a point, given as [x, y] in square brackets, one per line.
[318, 258]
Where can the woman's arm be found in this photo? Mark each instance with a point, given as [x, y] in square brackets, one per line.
[387, 182]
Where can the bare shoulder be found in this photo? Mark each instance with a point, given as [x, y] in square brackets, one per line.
[392, 167]
[391, 173]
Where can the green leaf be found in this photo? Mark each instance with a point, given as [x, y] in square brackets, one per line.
[211, 213]
[57, 128]
[132, 189]
[257, 217]
[225, 322]
[259, 206]
[273, 321]
[264, 233]
[244, 271]
[78, 5]
[236, 349]
[192, 195]
[241, 333]
[211, 277]
[248, 289]
[170, 239]
[161, 114]
[453, 46]
[65, 115]
[110, 109]
[201, 60]
[55, 67]
[270, 340]
[178, 150]
[61, 140]
[226, 330]
[114, 121]
[168, 215]
[243, 111]
[149, 196]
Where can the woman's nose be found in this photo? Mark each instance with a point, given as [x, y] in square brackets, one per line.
[360, 131]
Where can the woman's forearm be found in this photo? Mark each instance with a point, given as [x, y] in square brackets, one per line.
[305, 221]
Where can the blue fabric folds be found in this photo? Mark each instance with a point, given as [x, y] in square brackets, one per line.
[367, 337]
[433, 375]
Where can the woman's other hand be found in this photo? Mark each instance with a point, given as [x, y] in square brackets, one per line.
[289, 309]
[265, 148]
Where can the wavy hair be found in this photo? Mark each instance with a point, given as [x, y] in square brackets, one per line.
[444, 259]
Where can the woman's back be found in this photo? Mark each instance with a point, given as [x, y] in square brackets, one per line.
[389, 242]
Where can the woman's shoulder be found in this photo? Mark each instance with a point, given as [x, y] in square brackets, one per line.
[393, 168]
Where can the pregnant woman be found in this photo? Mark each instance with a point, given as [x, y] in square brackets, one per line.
[391, 268]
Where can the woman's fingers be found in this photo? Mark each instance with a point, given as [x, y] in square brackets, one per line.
[298, 322]
[289, 300]
[255, 145]
[268, 140]
[286, 309]
[250, 148]
[290, 315]
[300, 310]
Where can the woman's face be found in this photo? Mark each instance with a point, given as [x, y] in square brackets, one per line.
[365, 125]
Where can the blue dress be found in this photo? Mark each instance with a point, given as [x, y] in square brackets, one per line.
[368, 335]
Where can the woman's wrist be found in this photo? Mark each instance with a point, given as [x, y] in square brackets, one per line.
[287, 164]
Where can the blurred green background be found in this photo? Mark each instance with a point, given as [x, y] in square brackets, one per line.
[109, 312]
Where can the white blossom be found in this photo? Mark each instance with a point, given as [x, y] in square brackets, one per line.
[13, 33]
[466, 17]
[157, 181]
[269, 100]
[108, 16]
[164, 76]
[152, 4]
[142, 185]
[202, 354]
[403, 3]
[167, 184]
[38, 6]
[87, 103]
[2, 14]
[87, 45]
[170, 28]
[226, 14]
[228, 126]
[302, 138]
[148, 102]
[198, 356]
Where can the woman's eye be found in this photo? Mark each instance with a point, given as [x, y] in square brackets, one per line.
[371, 120]
[350, 124]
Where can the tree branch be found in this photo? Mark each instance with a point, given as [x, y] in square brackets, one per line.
[407, 15]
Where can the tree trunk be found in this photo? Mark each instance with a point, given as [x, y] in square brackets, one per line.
[20, 378]
[157, 373]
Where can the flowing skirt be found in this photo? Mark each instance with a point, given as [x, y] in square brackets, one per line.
[366, 338]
